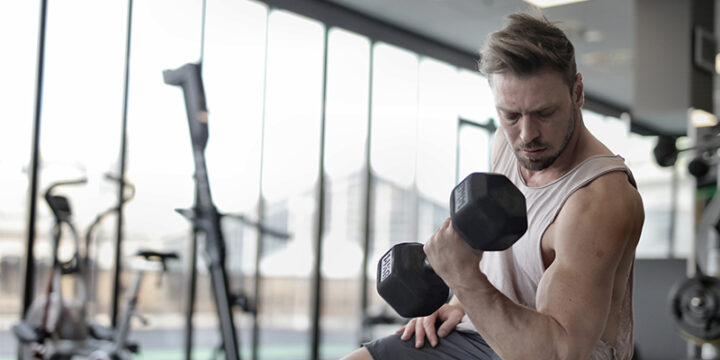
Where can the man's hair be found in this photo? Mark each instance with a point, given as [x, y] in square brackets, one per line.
[526, 45]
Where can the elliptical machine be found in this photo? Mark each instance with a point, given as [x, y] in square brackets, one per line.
[54, 327]
[57, 327]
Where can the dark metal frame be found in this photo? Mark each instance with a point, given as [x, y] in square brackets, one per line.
[114, 315]
[368, 205]
[490, 127]
[317, 279]
[29, 276]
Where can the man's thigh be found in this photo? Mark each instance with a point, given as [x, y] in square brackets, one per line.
[457, 345]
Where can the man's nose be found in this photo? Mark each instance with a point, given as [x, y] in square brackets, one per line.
[529, 130]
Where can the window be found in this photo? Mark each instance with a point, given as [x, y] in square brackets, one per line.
[348, 81]
[426, 124]
[17, 69]
[393, 149]
[290, 169]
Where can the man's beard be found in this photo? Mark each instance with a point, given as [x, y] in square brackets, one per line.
[542, 163]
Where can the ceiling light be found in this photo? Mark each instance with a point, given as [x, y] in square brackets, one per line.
[551, 3]
[702, 118]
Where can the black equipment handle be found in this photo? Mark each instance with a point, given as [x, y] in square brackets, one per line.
[189, 78]
[205, 217]
[58, 204]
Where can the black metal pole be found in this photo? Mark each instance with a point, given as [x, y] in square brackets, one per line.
[121, 176]
[490, 127]
[29, 281]
[320, 224]
[367, 221]
[190, 292]
[192, 263]
[257, 288]
[673, 211]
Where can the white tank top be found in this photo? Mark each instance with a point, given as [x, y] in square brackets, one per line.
[516, 272]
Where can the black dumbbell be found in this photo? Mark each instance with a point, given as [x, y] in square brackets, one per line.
[487, 211]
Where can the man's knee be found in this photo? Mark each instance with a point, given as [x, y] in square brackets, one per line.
[360, 354]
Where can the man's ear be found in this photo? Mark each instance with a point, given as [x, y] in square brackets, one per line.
[578, 91]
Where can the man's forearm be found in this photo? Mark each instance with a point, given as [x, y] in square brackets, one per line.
[512, 330]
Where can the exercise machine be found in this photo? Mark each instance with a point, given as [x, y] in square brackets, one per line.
[694, 302]
[56, 325]
[205, 218]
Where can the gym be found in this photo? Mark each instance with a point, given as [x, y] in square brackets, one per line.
[193, 179]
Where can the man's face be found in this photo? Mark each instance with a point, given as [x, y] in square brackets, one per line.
[538, 115]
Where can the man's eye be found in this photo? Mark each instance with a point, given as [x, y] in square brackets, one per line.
[511, 116]
[546, 113]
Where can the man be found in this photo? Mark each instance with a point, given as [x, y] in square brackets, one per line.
[564, 290]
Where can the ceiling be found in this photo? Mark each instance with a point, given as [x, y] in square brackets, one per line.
[601, 30]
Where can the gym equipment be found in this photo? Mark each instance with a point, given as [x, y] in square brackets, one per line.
[694, 302]
[695, 308]
[666, 154]
[487, 211]
[204, 216]
[54, 325]
[665, 151]
[121, 348]
[698, 167]
[59, 328]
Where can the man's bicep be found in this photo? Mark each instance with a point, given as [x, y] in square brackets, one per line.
[578, 300]
[589, 242]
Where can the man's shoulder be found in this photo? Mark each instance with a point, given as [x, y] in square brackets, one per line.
[611, 196]
[606, 214]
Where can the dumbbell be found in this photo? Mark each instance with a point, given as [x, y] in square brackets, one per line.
[486, 210]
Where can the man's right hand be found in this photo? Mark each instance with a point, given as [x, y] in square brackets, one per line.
[449, 316]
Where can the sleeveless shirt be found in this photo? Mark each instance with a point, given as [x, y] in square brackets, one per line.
[516, 272]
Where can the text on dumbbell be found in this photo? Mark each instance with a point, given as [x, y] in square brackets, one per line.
[386, 266]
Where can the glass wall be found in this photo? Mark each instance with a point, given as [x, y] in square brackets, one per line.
[346, 134]
[159, 163]
[234, 77]
[80, 122]
[265, 78]
[393, 153]
[290, 168]
[17, 69]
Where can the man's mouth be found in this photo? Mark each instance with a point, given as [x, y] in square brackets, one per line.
[532, 152]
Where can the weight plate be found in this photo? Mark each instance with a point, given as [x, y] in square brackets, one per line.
[695, 309]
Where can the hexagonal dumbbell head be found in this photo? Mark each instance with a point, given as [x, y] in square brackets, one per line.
[408, 283]
[488, 211]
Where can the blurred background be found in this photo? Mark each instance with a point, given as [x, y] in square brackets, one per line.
[375, 105]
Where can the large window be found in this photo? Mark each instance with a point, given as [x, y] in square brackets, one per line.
[17, 69]
[290, 168]
[393, 151]
[348, 82]
[234, 75]
[414, 126]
